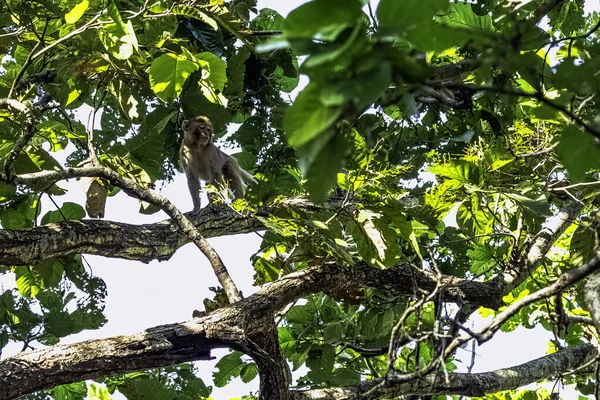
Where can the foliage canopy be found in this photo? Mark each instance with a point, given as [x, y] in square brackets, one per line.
[443, 161]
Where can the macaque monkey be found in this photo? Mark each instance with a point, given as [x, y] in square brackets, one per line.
[202, 160]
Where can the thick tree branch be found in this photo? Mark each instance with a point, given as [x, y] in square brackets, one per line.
[244, 326]
[231, 327]
[482, 335]
[551, 230]
[160, 346]
[45, 178]
[157, 241]
[475, 384]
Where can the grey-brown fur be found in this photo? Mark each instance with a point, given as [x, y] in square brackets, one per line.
[202, 160]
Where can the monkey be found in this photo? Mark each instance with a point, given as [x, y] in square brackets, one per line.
[201, 159]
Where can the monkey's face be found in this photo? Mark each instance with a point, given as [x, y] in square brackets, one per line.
[198, 130]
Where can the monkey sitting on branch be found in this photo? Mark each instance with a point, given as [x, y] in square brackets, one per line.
[202, 160]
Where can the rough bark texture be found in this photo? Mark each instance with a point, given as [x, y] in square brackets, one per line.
[145, 243]
[246, 326]
[475, 384]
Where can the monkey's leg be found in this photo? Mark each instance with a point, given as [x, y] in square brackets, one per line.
[194, 186]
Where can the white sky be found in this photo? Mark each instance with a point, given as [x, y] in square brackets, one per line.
[145, 295]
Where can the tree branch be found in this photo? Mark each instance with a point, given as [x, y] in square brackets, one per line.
[468, 384]
[230, 326]
[133, 189]
[24, 139]
[551, 230]
[157, 241]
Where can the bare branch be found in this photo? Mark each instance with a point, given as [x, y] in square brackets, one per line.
[157, 241]
[551, 230]
[133, 189]
[468, 384]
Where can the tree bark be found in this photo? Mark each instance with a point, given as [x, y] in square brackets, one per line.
[145, 243]
[474, 384]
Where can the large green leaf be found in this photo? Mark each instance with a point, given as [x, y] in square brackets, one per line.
[131, 104]
[26, 282]
[579, 152]
[168, 73]
[194, 12]
[214, 77]
[461, 170]
[68, 211]
[582, 246]
[77, 12]
[483, 259]
[308, 116]
[328, 18]
[538, 205]
[363, 91]
[461, 15]
[231, 366]
[393, 15]
[320, 160]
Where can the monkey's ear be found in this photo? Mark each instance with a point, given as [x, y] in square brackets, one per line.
[185, 124]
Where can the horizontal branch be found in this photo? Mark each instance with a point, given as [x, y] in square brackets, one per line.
[161, 346]
[225, 327]
[474, 384]
[157, 241]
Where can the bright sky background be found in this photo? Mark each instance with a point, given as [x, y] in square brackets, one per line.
[145, 295]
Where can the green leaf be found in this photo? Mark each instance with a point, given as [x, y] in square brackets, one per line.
[473, 222]
[579, 152]
[320, 160]
[228, 367]
[582, 246]
[461, 15]
[539, 205]
[482, 257]
[26, 282]
[214, 77]
[131, 104]
[394, 16]
[364, 243]
[345, 377]
[168, 73]
[363, 91]
[49, 271]
[249, 372]
[56, 133]
[72, 391]
[118, 38]
[68, 211]
[193, 12]
[117, 41]
[328, 18]
[461, 170]
[21, 213]
[150, 146]
[146, 388]
[77, 12]
[308, 116]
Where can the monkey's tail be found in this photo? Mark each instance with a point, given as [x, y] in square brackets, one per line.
[247, 177]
